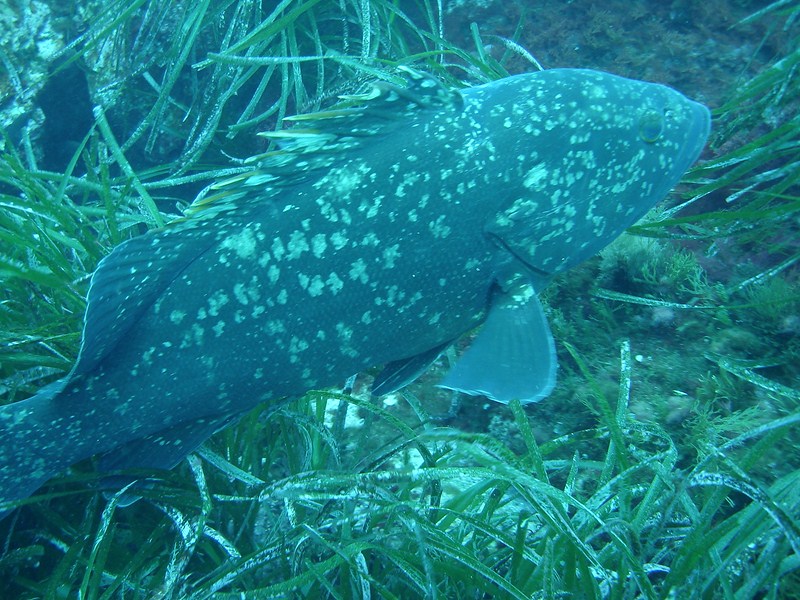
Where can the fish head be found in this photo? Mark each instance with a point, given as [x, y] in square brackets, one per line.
[593, 152]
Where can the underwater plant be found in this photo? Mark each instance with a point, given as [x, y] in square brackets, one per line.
[559, 500]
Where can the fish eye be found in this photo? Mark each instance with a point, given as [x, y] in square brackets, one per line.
[651, 126]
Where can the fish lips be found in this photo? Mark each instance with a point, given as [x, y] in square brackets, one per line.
[696, 137]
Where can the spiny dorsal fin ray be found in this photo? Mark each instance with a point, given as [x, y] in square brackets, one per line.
[322, 139]
[385, 101]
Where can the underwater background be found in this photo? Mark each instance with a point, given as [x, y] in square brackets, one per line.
[664, 464]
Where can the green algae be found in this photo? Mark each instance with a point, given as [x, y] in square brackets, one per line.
[664, 465]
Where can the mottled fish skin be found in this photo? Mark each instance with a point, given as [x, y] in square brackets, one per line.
[394, 247]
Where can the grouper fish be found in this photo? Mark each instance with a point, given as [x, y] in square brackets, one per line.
[377, 233]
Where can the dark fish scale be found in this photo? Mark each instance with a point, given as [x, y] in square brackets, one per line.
[378, 234]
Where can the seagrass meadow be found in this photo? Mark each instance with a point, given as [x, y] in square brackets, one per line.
[665, 464]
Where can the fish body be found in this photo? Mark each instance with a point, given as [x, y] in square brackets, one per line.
[377, 235]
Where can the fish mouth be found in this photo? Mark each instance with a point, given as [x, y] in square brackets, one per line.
[696, 137]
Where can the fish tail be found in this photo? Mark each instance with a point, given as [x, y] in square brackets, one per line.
[32, 450]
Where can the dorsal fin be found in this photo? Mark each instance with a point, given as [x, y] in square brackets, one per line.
[383, 104]
[321, 139]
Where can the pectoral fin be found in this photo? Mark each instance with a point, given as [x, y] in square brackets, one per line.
[513, 355]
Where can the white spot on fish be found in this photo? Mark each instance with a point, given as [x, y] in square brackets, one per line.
[217, 300]
[344, 332]
[242, 243]
[273, 273]
[343, 180]
[438, 228]
[339, 240]
[371, 239]
[193, 337]
[297, 245]
[245, 293]
[275, 326]
[358, 270]
[316, 286]
[409, 180]
[390, 254]
[471, 264]
[147, 357]
[334, 283]
[278, 249]
[218, 328]
[239, 294]
[372, 208]
[296, 345]
[318, 245]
